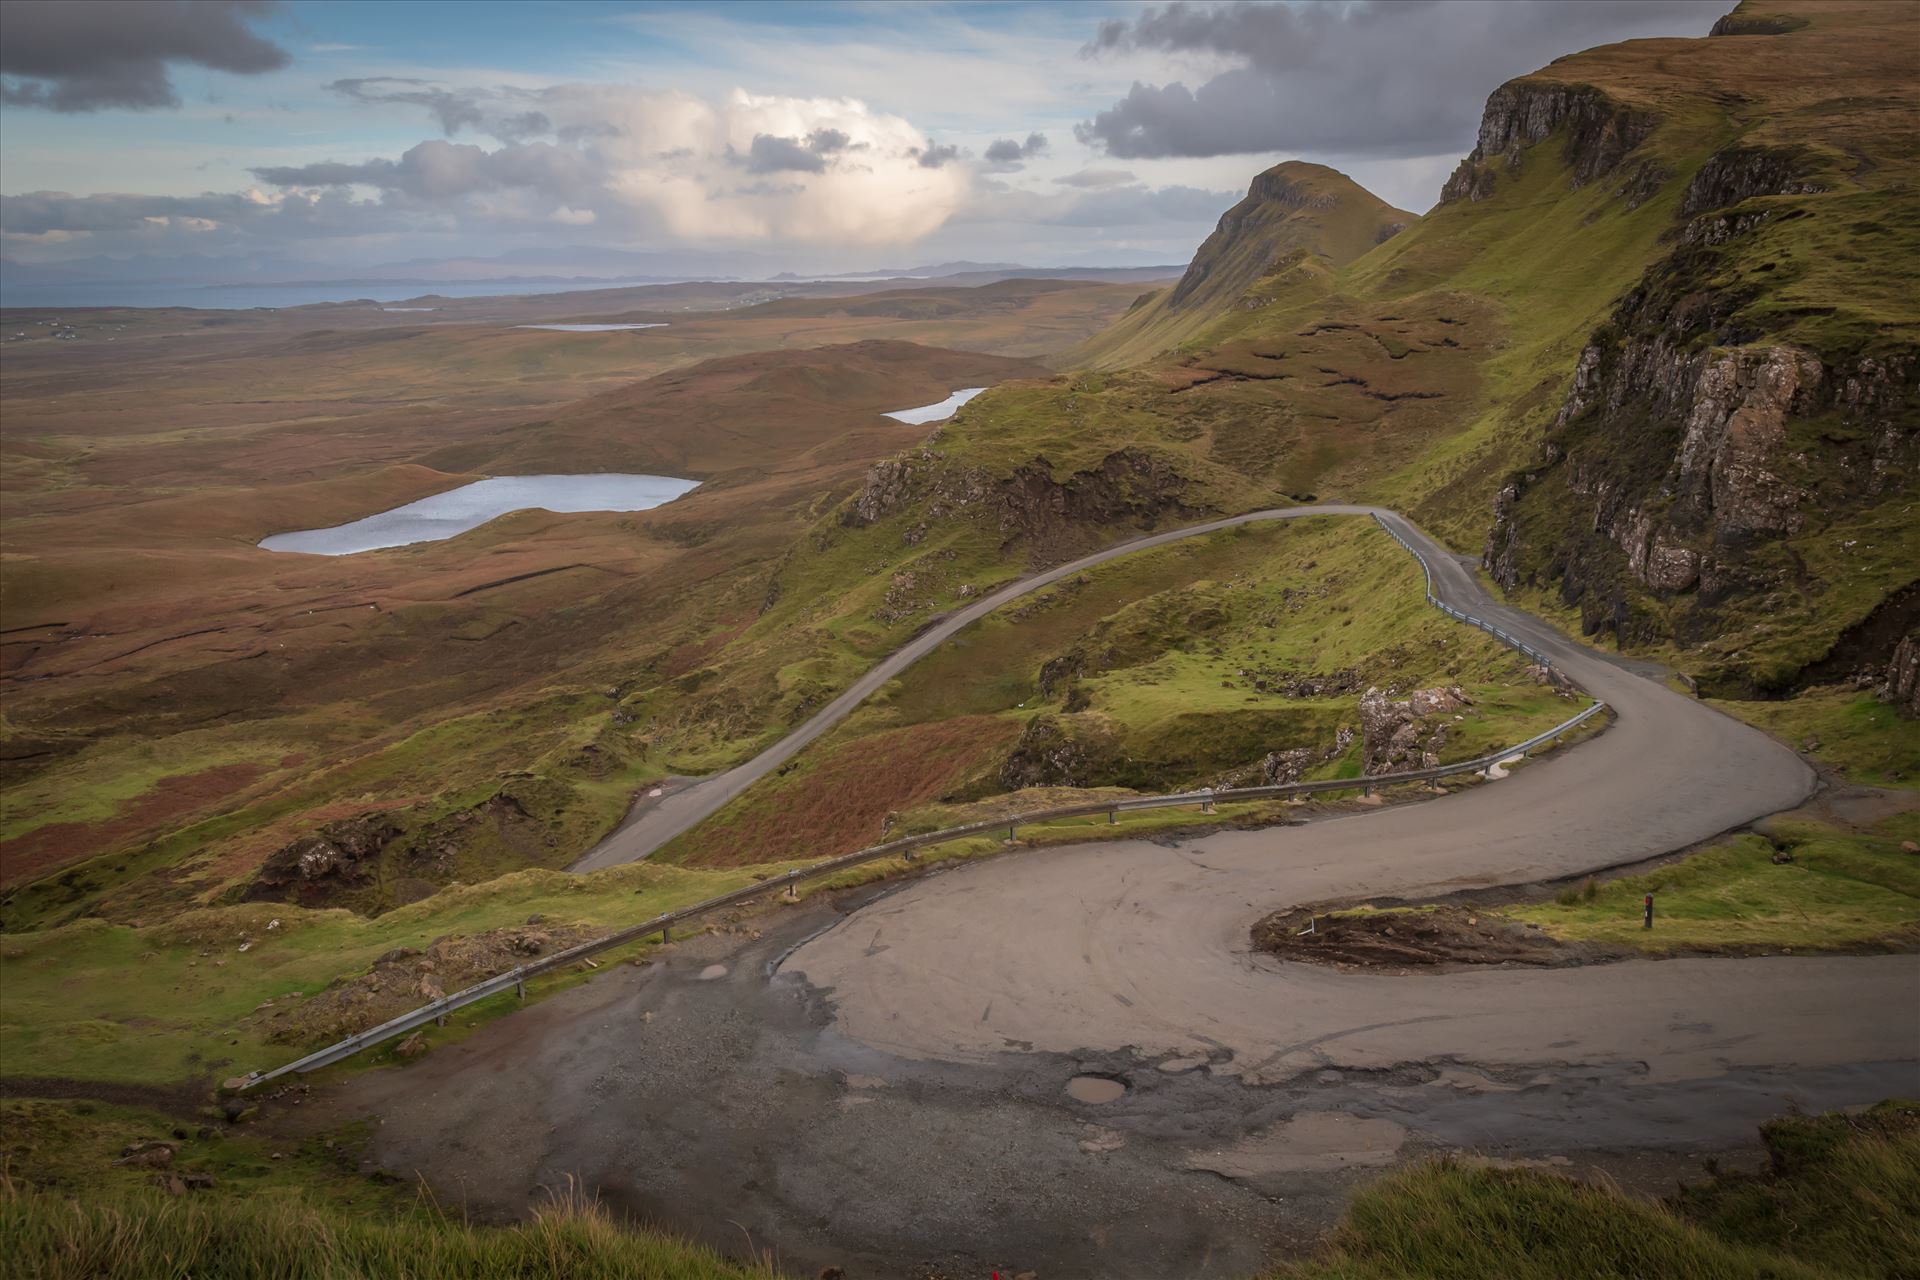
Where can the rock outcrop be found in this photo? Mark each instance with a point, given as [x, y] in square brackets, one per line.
[1408, 733]
[1062, 751]
[317, 866]
[1131, 486]
[1901, 687]
[1687, 444]
[1740, 173]
[1600, 133]
[1279, 768]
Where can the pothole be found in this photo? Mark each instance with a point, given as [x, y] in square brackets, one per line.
[1096, 1090]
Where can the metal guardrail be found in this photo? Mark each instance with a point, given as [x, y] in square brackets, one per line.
[1511, 641]
[515, 978]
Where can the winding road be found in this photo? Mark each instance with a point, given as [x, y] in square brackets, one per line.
[877, 1080]
[1730, 795]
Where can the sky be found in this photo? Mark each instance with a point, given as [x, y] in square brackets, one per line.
[249, 139]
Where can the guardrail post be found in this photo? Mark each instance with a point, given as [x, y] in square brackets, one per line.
[1113, 817]
[666, 934]
[1009, 831]
[520, 987]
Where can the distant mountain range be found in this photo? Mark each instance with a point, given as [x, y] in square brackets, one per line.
[558, 265]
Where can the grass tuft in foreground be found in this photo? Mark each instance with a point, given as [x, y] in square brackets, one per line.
[1840, 1198]
[1838, 890]
[147, 1236]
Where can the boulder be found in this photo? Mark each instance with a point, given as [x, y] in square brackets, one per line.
[1408, 733]
[147, 1154]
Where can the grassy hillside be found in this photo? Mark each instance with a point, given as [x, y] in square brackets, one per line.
[182, 704]
[1177, 668]
[1644, 232]
[1296, 215]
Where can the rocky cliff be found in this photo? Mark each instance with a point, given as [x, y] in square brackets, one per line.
[1128, 487]
[1599, 132]
[1693, 446]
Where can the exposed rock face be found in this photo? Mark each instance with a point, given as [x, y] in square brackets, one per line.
[889, 488]
[1129, 486]
[1743, 24]
[1600, 133]
[1269, 192]
[1409, 733]
[1740, 173]
[315, 866]
[1061, 751]
[1685, 446]
[1902, 684]
[1282, 767]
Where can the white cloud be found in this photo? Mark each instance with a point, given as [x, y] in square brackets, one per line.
[747, 168]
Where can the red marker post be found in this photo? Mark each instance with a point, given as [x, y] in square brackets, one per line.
[1649, 923]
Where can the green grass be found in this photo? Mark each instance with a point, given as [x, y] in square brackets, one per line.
[173, 1002]
[1865, 739]
[1173, 647]
[149, 1237]
[278, 1206]
[1841, 1198]
[1843, 889]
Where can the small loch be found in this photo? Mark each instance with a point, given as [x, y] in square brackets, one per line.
[591, 328]
[471, 505]
[935, 412]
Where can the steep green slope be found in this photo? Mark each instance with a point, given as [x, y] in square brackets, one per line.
[1294, 214]
[1654, 351]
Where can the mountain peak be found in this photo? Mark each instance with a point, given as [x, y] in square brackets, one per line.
[1293, 208]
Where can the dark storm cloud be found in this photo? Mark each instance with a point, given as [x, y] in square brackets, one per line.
[436, 171]
[1375, 77]
[933, 155]
[771, 154]
[60, 55]
[1010, 153]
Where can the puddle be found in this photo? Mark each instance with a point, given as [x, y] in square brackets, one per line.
[713, 971]
[1096, 1090]
[1308, 1142]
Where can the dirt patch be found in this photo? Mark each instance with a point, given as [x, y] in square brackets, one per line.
[406, 978]
[184, 1099]
[45, 848]
[846, 799]
[1404, 939]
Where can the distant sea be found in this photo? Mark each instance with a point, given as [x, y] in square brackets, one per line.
[41, 295]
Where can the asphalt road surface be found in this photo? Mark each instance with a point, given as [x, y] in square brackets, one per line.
[878, 1080]
[1128, 944]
